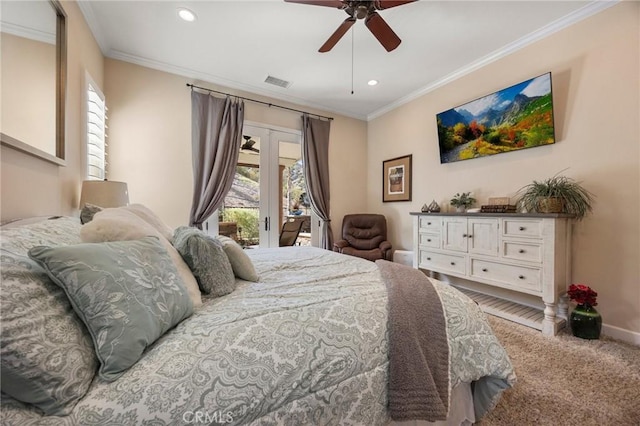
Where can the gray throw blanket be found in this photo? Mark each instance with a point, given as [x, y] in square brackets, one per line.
[418, 348]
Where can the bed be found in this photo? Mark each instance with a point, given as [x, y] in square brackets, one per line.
[308, 343]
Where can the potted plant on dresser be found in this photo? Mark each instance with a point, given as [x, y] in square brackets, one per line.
[557, 194]
[462, 201]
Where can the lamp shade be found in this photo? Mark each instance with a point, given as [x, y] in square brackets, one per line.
[104, 193]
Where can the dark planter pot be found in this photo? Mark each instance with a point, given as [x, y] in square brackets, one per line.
[585, 322]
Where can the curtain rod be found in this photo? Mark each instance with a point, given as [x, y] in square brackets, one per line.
[256, 101]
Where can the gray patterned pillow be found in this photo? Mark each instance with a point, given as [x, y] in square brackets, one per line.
[206, 259]
[241, 263]
[46, 352]
[128, 294]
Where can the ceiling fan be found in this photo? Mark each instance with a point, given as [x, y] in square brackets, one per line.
[361, 10]
[248, 144]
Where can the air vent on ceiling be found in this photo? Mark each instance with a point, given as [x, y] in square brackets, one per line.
[277, 81]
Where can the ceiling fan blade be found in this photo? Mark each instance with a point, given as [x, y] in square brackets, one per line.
[328, 3]
[388, 4]
[382, 31]
[337, 35]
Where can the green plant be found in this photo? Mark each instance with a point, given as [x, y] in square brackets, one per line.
[573, 198]
[463, 200]
[247, 220]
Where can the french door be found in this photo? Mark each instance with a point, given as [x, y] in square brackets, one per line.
[268, 189]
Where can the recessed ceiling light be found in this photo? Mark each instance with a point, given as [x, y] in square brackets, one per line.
[372, 82]
[186, 14]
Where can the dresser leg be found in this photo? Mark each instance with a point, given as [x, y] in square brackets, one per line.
[549, 326]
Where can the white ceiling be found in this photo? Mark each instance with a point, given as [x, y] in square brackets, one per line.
[239, 43]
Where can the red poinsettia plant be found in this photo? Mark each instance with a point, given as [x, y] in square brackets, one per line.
[582, 294]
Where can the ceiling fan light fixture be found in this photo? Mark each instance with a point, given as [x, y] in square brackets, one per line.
[361, 12]
[186, 15]
[372, 82]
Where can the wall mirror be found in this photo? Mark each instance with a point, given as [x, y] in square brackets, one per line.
[33, 77]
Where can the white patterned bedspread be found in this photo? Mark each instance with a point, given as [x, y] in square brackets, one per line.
[305, 345]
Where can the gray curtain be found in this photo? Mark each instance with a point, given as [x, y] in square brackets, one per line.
[315, 155]
[216, 136]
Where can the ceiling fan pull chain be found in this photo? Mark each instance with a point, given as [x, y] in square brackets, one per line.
[352, 44]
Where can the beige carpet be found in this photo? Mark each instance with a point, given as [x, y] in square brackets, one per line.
[565, 380]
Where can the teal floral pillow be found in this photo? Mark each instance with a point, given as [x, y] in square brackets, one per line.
[128, 294]
[206, 259]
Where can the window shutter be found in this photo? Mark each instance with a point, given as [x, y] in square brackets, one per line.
[96, 134]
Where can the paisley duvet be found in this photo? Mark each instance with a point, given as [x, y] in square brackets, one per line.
[307, 344]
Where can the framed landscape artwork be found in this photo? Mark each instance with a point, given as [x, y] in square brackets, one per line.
[396, 179]
[515, 118]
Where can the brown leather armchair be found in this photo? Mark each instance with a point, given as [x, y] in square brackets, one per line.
[364, 235]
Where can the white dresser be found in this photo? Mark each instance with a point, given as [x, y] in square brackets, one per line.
[525, 253]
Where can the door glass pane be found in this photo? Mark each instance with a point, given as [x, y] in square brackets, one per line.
[294, 200]
[239, 217]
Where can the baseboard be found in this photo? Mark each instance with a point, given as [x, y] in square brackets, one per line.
[621, 334]
[403, 256]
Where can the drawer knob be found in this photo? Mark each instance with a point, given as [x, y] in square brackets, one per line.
[521, 277]
[522, 228]
[453, 263]
[484, 269]
[428, 223]
[429, 239]
[428, 258]
[469, 236]
[464, 235]
[521, 251]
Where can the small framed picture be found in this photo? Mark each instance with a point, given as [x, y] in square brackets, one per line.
[396, 179]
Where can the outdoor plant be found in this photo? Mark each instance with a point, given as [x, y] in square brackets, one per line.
[562, 192]
[463, 200]
[582, 295]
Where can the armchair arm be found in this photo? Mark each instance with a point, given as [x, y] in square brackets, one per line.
[385, 248]
[339, 245]
[385, 245]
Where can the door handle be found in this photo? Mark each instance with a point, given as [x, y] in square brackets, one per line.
[266, 223]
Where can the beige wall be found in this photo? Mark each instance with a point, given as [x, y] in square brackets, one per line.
[31, 186]
[150, 141]
[596, 92]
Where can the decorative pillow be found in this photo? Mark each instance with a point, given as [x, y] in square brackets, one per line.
[120, 224]
[242, 266]
[128, 294]
[151, 218]
[46, 354]
[207, 260]
[88, 211]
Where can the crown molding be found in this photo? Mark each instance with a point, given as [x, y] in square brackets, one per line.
[549, 29]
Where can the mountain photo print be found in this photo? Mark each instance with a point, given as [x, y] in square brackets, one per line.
[518, 117]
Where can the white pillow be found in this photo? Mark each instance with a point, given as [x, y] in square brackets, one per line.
[240, 263]
[151, 218]
[121, 224]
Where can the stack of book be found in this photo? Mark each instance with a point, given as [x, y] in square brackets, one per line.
[498, 208]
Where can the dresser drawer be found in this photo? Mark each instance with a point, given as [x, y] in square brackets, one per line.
[441, 262]
[522, 250]
[522, 228]
[520, 277]
[429, 240]
[431, 224]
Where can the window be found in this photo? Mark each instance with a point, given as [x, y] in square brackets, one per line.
[96, 132]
